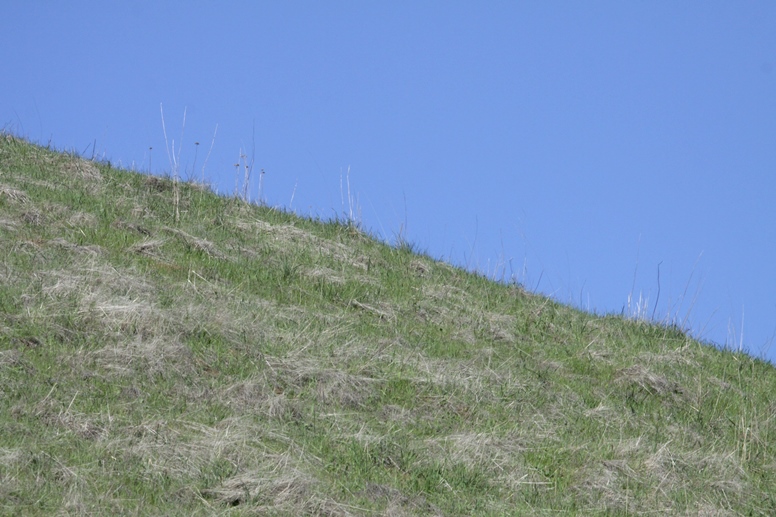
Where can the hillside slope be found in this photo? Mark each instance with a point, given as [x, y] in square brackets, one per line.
[209, 356]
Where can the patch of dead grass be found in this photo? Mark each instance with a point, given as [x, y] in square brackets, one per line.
[333, 386]
[10, 358]
[276, 482]
[54, 413]
[397, 503]
[11, 456]
[499, 327]
[199, 244]
[262, 475]
[149, 247]
[664, 466]
[287, 236]
[481, 449]
[82, 219]
[14, 194]
[325, 273]
[184, 449]
[605, 486]
[257, 396]
[8, 225]
[82, 169]
[152, 356]
[652, 383]
[92, 249]
[106, 299]
[382, 310]
[451, 374]
[684, 356]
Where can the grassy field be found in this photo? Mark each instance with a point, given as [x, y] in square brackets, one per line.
[166, 351]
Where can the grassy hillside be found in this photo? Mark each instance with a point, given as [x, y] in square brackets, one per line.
[211, 357]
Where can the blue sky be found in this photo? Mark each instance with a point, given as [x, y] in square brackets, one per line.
[593, 151]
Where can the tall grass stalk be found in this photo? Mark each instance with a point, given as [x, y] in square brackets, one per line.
[174, 160]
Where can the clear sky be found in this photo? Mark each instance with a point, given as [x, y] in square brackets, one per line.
[594, 151]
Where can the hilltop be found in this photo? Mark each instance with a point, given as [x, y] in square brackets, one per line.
[168, 351]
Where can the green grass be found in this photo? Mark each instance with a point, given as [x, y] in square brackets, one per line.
[241, 360]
